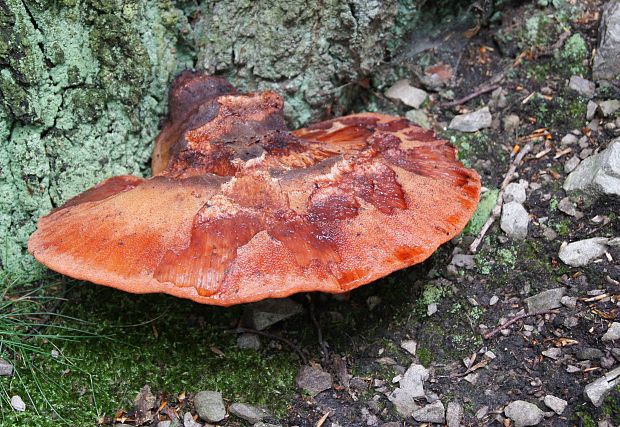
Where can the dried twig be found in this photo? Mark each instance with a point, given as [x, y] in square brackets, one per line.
[291, 344]
[480, 91]
[317, 325]
[497, 209]
[504, 325]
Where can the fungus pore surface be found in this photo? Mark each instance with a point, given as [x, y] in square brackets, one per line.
[240, 209]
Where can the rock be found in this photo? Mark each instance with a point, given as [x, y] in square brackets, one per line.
[411, 387]
[403, 91]
[188, 421]
[607, 59]
[17, 403]
[313, 380]
[419, 117]
[597, 174]
[263, 314]
[570, 302]
[431, 309]
[591, 110]
[568, 207]
[165, 423]
[609, 107]
[514, 220]
[581, 252]
[454, 414]
[569, 139]
[582, 86]
[463, 261]
[6, 369]
[545, 300]
[571, 164]
[613, 332]
[556, 404]
[410, 345]
[267, 425]
[248, 341]
[494, 300]
[210, 406]
[597, 390]
[249, 413]
[523, 413]
[511, 123]
[515, 192]
[472, 122]
[433, 413]
[589, 353]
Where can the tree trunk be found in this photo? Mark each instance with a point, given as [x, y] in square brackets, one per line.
[84, 82]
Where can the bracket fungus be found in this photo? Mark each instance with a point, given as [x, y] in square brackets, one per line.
[240, 209]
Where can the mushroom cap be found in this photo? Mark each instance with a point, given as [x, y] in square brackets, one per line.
[240, 209]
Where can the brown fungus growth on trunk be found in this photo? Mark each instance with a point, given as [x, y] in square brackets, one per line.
[240, 208]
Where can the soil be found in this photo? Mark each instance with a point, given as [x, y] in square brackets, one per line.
[177, 346]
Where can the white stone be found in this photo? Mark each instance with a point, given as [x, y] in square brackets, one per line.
[582, 86]
[523, 413]
[17, 403]
[515, 192]
[556, 404]
[454, 414]
[433, 413]
[410, 345]
[472, 122]
[613, 332]
[582, 252]
[515, 220]
[597, 174]
[597, 390]
[403, 91]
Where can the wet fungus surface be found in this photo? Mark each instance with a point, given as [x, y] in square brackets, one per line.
[240, 209]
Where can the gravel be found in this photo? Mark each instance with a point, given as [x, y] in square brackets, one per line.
[263, 314]
[472, 122]
[249, 413]
[515, 220]
[582, 86]
[433, 413]
[597, 174]
[17, 403]
[613, 332]
[210, 406]
[403, 91]
[607, 59]
[582, 252]
[545, 300]
[6, 369]
[313, 380]
[597, 390]
[556, 404]
[454, 414]
[523, 413]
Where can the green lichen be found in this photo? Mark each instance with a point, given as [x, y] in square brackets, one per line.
[483, 212]
[574, 53]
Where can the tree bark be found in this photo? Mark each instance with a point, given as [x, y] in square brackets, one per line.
[84, 83]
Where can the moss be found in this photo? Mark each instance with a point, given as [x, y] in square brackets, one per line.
[156, 340]
[425, 356]
[482, 213]
[574, 53]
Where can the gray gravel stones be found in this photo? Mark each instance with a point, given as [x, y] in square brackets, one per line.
[545, 300]
[607, 59]
[599, 173]
[454, 414]
[263, 314]
[556, 404]
[432, 413]
[403, 91]
[17, 403]
[419, 117]
[582, 252]
[313, 380]
[249, 413]
[597, 390]
[410, 346]
[472, 122]
[210, 406]
[523, 413]
[515, 220]
[465, 261]
[613, 332]
[511, 123]
[589, 353]
[571, 164]
[411, 387]
[582, 86]
[189, 421]
[248, 341]
[609, 107]
[6, 369]
[515, 192]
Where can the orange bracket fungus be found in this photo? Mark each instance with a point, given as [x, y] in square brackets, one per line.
[240, 209]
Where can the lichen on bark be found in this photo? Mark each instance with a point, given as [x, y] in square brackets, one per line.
[84, 83]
